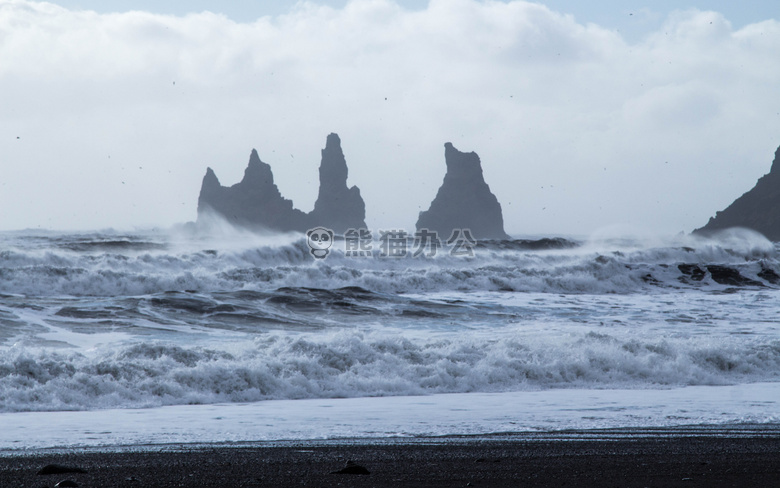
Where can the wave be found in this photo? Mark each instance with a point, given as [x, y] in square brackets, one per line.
[136, 265]
[359, 363]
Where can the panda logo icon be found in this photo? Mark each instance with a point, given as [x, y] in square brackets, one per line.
[320, 241]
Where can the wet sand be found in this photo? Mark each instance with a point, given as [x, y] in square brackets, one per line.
[683, 457]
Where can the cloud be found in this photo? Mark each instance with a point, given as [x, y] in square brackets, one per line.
[118, 115]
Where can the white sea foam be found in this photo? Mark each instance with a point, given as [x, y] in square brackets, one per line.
[749, 406]
[78, 266]
[356, 363]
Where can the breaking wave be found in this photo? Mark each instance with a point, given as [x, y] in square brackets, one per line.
[117, 320]
[131, 266]
[351, 363]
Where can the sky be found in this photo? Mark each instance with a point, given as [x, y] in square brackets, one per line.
[586, 115]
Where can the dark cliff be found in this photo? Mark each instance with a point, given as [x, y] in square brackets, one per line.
[758, 209]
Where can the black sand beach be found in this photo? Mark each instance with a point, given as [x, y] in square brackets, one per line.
[682, 457]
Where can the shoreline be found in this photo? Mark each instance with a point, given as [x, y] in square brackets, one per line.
[398, 417]
[713, 456]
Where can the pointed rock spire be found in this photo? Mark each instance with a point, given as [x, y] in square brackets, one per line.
[210, 180]
[337, 207]
[775, 169]
[333, 167]
[209, 188]
[464, 200]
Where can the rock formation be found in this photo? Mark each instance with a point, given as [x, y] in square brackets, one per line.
[337, 207]
[464, 200]
[255, 202]
[758, 209]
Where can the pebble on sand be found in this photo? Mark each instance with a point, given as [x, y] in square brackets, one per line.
[352, 468]
[59, 469]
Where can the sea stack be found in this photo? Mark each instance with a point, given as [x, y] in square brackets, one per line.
[254, 203]
[758, 209]
[464, 200]
[337, 207]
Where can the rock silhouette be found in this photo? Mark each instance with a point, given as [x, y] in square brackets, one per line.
[256, 202]
[758, 209]
[337, 207]
[464, 200]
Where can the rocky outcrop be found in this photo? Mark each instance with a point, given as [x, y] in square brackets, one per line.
[464, 200]
[758, 209]
[337, 207]
[254, 203]
[257, 204]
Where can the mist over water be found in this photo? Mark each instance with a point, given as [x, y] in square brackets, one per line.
[119, 264]
[146, 319]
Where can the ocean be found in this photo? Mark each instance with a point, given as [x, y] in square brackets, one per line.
[172, 336]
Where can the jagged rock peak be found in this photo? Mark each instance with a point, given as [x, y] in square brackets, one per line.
[758, 209]
[255, 202]
[462, 165]
[337, 207]
[259, 173]
[775, 169]
[210, 179]
[333, 168]
[464, 200]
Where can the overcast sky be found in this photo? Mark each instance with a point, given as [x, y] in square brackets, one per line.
[585, 115]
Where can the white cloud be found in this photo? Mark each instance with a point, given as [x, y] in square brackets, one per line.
[118, 115]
